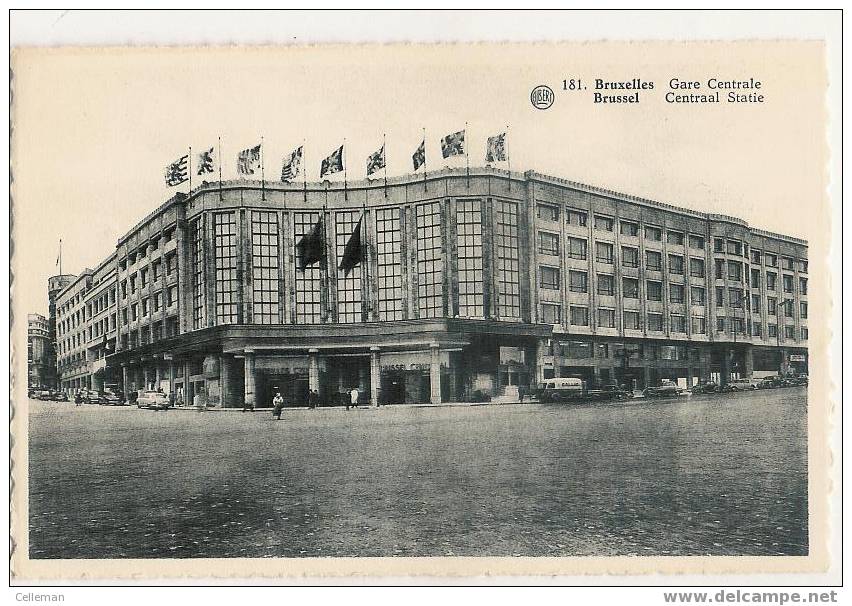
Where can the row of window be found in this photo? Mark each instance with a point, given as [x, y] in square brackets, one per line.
[551, 313]
[141, 252]
[149, 305]
[140, 279]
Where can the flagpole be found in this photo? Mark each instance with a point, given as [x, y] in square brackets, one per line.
[343, 159]
[385, 159]
[508, 158]
[304, 166]
[425, 166]
[262, 172]
[220, 167]
[467, 156]
[60, 256]
[189, 169]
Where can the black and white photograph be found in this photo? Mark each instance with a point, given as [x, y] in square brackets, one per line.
[471, 308]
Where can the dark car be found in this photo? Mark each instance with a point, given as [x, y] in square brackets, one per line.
[707, 387]
[609, 392]
[770, 383]
[59, 396]
[112, 398]
[665, 388]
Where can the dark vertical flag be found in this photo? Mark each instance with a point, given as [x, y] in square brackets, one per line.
[353, 253]
[311, 246]
[495, 151]
[376, 161]
[419, 156]
[333, 163]
[292, 165]
[177, 172]
[453, 145]
[248, 161]
[206, 162]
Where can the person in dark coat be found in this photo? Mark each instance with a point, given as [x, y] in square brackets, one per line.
[313, 398]
[277, 406]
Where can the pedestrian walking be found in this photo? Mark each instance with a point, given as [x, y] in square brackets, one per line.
[313, 398]
[353, 398]
[247, 406]
[277, 406]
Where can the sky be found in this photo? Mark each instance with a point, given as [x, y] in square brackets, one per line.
[94, 129]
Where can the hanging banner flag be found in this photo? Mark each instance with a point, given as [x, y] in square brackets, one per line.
[353, 253]
[176, 172]
[248, 161]
[206, 162]
[376, 161]
[453, 145]
[496, 148]
[419, 157]
[292, 165]
[332, 164]
[310, 247]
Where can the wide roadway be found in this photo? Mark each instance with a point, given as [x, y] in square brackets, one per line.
[711, 474]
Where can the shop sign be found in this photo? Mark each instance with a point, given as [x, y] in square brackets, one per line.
[797, 357]
[411, 360]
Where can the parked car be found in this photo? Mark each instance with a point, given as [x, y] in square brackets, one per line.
[799, 380]
[707, 387]
[58, 395]
[743, 384]
[154, 400]
[770, 382]
[90, 396]
[561, 390]
[665, 388]
[608, 392]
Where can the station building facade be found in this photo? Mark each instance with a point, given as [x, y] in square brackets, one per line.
[471, 285]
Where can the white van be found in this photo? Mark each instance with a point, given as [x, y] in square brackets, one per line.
[559, 390]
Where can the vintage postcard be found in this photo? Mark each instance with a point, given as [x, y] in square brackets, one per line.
[494, 308]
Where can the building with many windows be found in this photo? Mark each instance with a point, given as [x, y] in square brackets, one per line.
[464, 286]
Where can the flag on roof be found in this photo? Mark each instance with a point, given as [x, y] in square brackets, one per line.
[453, 145]
[248, 161]
[176, 172]
[310, 247]
[292, 165]
[496, 148]
[206, 162]
[353, 253]
[376, 161]
[332, 164]
[419, 157]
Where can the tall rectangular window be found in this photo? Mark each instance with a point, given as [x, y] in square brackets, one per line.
[508, 260]
[548, 244]
[603, 252]
[389, 249]
[227, 286]
[430, 264]
[469, 243]
[577, 248]
[199, 316]
[264, 267]
[309, 282]
[349, 297]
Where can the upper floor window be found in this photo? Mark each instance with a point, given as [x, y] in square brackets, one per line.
[788, 283]
[676, 264]
[696, 267]
[787, 263]
[803, 266]
[653, 260]
[755, 256]
[628, 228]
[718, 245]
[770, 260]
[674, 237]
[576, 217]
[653, 233]
[578, 281]
[735, 247]
[803, 286]
[548, 244]
[549, 277]
[604, 223]
[548, 212]
[577, 248]
[696, 242]
[629, 256]
[603, 252]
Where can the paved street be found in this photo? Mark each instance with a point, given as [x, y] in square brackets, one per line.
[720, 475]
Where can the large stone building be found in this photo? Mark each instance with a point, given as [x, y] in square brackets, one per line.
[38, 340]
[55, 285]
[471, 284]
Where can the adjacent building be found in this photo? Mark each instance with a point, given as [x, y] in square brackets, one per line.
[38, 340]
[463, 286]
[55, 285]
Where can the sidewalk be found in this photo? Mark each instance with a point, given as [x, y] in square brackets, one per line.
[287, 409]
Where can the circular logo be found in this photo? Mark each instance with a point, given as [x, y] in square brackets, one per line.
[542, 96]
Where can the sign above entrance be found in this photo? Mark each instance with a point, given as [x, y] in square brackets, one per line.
[411, 360]
[797, 357]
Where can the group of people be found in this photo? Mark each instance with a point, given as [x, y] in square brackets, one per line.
[352, 398]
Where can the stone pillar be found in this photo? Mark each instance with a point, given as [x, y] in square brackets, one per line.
[171, 376]
[375, 376]
[689, 376]
[435, 373]
[125, 384]
[187, 385]
[157, 376]
[144, 376]
[250, 379]
[225, 395]
[540, 350]
[647, 375]
[313, 369]
[725, 374]
[748, 362]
